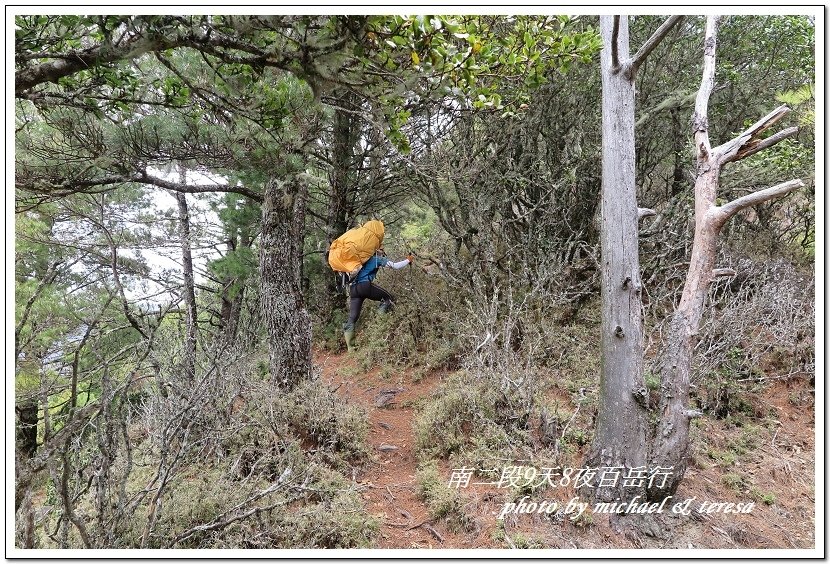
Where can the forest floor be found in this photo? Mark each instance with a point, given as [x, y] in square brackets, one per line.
[770, 463]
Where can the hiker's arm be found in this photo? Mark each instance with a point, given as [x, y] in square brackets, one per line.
[398, 265]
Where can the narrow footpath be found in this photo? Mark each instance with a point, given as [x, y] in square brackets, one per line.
[391, 490]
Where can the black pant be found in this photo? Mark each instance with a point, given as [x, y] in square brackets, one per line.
[365, 291]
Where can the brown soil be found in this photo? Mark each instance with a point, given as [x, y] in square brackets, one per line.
[390, 489]
[775, 470]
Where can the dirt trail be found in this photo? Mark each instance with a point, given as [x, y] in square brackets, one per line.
[391, 489]
[780, 465]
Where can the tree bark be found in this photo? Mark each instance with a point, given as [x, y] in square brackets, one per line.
[620, 437]
[26, 431]
[345, 135]
[232, 293]
[670, 442]
[288, 322]
[188, 289]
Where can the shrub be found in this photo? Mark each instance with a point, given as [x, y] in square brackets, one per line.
[734, 481]
[767, 498]
[418, 332]
[442, 501]
[475, 409]
[230, 463]
[317, 413]
[315, 508]
[757, 324]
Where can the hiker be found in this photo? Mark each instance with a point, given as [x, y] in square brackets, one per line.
[362, 288]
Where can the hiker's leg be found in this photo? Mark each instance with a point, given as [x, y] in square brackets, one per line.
[387, 300]
[355, 305]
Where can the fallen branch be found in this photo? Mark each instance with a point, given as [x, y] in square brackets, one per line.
[760, 379]
[719, 272]
[433, 532]
[645, 212]
[425, 521]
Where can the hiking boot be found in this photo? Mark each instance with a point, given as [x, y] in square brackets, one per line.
[349, 336]
[385, 306]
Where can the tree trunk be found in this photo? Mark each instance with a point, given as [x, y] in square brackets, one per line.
[233, 290]
[26, 441]
[345, 136]
[288, 322]
[670, 442]
[188, 290]
[620, 437]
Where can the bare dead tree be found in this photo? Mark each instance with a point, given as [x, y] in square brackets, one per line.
[622, 420]
[670, 440]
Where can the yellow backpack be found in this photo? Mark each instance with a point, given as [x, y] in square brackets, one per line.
[354, 247]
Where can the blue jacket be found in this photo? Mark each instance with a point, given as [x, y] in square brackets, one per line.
[370, 269]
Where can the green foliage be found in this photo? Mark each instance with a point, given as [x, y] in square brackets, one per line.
[521, 541]
[744, 441]
[474, 414]
[418, 230]
[741, 443]
[330, 336]
[578, 437]
[803, 100]
[788, 158]
[54, 306]
[767, 498]
[652, 381]
[585, 519]
[721, 457]
[394, 57]
[470, 58]
[235, 266]
[456, 50]
[442, 501]
[734, 482]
